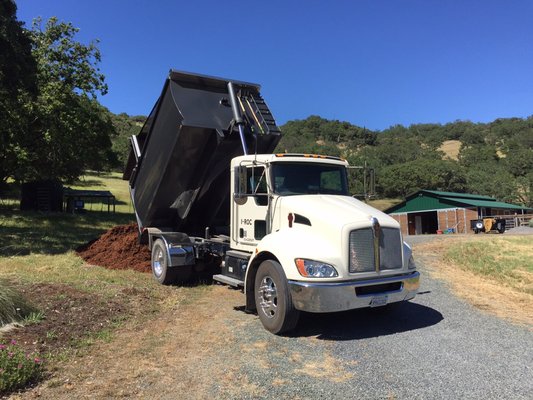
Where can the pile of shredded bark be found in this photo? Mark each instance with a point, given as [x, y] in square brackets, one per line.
[118, 248]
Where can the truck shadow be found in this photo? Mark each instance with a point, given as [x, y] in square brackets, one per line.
[367, 323]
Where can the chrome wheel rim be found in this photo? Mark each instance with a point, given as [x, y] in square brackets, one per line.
[158, 263]
[268, 297]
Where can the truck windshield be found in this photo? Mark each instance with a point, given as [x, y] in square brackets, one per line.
[290, 178]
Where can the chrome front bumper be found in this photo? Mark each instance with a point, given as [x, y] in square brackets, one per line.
[323, 297]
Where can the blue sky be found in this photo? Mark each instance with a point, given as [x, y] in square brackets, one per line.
[370, 62]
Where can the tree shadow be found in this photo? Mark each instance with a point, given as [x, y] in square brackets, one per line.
[367, 322]
[23, 233]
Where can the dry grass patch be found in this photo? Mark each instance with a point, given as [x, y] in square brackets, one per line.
[383, 204]
[451, 149]
[328, 367]
[13, 306]
[508, 260]
[493, 273]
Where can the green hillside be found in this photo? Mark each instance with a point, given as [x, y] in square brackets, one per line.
[494, 159]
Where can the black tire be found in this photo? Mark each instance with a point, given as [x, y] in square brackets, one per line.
[476, 231]
[273, 299]
[160, 269]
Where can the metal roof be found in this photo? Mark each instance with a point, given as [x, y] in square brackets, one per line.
[426, 200]
[459, 195]
[68, 192]
[485, 203]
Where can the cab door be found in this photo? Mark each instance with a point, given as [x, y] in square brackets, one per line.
[250, 213]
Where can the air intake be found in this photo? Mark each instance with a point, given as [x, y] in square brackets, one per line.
[362, 256]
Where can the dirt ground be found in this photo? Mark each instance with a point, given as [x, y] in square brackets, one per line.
[145, 356]
[195, 349]
[69, 316]
[197, 342]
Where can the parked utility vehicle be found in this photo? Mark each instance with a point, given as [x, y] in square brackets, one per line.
[282, 227]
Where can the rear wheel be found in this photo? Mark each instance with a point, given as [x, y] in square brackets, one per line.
[160, 266]
[273, 299]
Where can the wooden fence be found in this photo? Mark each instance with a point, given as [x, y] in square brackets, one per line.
[513, 221]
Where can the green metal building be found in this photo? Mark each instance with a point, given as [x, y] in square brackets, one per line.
[429, 211]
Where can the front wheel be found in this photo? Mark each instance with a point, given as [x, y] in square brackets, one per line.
[273, 299]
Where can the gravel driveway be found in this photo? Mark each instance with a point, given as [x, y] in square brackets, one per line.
[438, 346]
[435, 347]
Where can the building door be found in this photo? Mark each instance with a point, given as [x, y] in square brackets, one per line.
[418, 224]
[422, 223]
[411, 224]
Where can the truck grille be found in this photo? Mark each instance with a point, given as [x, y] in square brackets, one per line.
[362, 258]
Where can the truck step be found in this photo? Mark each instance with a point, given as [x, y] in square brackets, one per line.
[228, 281]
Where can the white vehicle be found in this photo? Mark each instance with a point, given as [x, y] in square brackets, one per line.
[283, 227]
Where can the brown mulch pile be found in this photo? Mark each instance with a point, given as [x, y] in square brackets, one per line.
[118, 248]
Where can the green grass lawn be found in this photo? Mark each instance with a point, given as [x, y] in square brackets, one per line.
[40, 246]
[506, 259]
[25, 233]
[111, 181]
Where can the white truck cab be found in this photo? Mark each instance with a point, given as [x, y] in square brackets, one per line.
[310, 245]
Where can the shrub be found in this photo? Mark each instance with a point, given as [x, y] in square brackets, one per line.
[531, 223]
[18, 369]
[13, 307]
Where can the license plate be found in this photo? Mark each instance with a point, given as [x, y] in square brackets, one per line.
[378, 301]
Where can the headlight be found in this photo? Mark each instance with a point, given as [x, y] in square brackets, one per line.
[411, 264]
[407, 252]
[315, 269]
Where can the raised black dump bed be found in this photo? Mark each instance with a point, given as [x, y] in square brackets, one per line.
[179, 165]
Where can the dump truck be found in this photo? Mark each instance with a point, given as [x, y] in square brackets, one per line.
[209, 195]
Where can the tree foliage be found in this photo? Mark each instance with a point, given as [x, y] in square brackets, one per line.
[403, 179]
[495, 159]
[125, 127]
[17, 88]
[72, 130]
[319, 135]
[49, 83]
